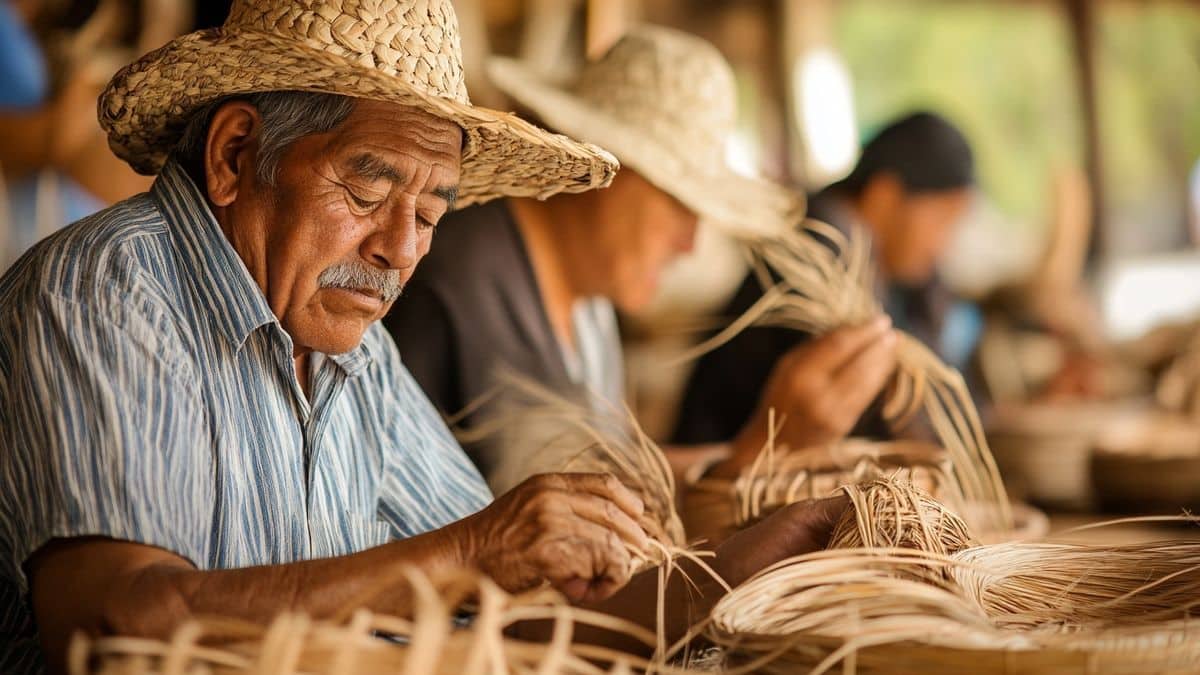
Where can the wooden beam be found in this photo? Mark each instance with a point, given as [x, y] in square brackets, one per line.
[1081, 15]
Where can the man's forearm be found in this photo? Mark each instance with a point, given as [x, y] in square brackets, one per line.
[321, 588]
[137, 590]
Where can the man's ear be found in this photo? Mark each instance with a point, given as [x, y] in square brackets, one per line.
[232, 143]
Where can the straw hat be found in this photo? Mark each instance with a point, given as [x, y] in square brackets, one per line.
[664, 102]
[402, 51]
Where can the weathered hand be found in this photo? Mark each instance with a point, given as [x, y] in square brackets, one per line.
[574, 530]
[820, 389]
[793, 530]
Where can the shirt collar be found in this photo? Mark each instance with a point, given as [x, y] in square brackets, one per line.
[231, 297]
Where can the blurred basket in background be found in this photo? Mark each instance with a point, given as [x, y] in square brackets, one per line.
[1152, 466]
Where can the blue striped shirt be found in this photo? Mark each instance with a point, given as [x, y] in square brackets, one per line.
[148, 394]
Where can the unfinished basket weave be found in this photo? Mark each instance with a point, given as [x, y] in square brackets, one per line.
[1009, 608]
[428, 644]
[714, 508]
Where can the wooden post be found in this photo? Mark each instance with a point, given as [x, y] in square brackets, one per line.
[607, 21]
[1082, 17]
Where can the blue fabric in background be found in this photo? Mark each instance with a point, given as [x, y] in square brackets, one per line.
[24, 82]
[25, 85]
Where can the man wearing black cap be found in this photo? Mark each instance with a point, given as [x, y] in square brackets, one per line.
[911, 185]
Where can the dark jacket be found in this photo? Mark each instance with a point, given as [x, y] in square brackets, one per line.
[474, 306]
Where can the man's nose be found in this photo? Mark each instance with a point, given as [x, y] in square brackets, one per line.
[396, 244]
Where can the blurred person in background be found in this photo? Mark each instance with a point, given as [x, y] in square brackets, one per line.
[531, 285]
[55, 58]
[912, 184]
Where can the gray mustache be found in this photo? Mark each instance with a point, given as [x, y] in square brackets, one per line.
[358, 276]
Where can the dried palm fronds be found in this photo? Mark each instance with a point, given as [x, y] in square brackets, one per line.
[938, 607]
[823, 286]
[428, 643]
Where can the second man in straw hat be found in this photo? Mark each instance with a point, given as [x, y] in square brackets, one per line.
[530, 285]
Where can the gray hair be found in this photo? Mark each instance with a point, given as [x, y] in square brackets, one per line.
[287, 116]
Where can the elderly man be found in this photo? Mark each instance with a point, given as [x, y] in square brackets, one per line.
[198, 410]
[530, 286]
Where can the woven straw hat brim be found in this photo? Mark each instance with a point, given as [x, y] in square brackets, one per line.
[146, 106]
[740, 205]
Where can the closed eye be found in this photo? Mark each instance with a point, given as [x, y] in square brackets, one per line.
[363, 203]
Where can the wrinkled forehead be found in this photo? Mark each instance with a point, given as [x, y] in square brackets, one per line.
[396, 129]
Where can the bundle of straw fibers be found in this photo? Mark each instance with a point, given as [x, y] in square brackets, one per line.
[714, 508]
[544, 432]
[556, 435]
[427, 644]
[939, 607]
[817, 279]
[891, 514]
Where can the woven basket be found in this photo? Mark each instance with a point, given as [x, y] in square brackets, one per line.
[1153, 466]
[1170, 650]
[1044, 451]
[848, 611]
[432, 642]
[715, 508]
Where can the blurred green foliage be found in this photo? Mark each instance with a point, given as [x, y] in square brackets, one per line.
[1149, 113]
[1005, 73]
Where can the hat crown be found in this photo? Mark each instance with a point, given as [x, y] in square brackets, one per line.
[414, 40]
[675, 86]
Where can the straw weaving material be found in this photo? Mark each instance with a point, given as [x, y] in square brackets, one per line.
[556, 435]
[547, 433]
[892, 514]
[715, 508]
[429, 643]
[823, 288]
[939, 607]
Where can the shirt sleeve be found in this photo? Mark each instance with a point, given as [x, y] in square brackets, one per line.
[103, 431]
[428, 481]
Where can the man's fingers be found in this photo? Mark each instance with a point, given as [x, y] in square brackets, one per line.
[607, 514]
[606, 486]
[829, 510]
[591, 553]
[836, 348]
[860, 380]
